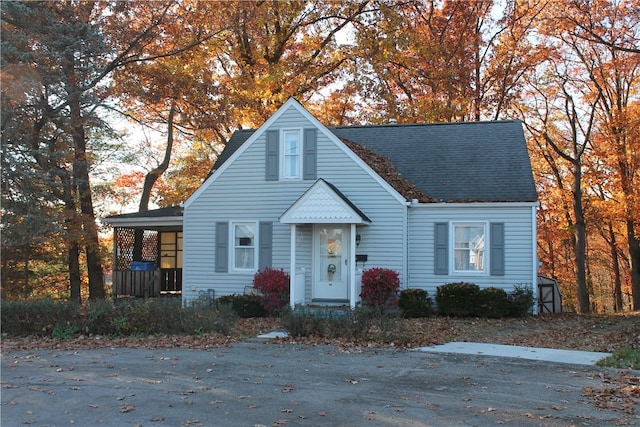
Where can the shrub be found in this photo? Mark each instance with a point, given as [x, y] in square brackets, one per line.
[38, 318]
[457, 299]
[243, 305]
[520, 301]
[274, 285]
[492, 302]
[325, 322]
[62, 320]
[380, 288]
[415, 303]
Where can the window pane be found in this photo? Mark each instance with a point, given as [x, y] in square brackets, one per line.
[291, 155]
[469, 248]
[244, 246]
[244, 258]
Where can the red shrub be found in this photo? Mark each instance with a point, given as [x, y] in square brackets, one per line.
[274, 287]
[380, 288]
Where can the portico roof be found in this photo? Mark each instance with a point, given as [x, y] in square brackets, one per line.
[323, 203]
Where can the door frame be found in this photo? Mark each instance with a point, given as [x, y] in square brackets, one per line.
[297, 288]
[318, 269]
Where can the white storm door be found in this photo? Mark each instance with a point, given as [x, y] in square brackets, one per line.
[330, 272]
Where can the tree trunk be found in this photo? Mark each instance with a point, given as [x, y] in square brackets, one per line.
[73, 259]
[617, 284]
[634, 254]
[155, 173]
[580, 247]
[81, 181]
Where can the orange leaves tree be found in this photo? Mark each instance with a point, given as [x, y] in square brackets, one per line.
[578, 106]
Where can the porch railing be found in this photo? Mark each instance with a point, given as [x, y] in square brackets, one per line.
[147, 283]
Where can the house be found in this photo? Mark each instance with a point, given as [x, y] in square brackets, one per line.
[438, 203]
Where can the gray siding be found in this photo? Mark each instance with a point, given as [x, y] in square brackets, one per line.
[518, 250]
[241, 193]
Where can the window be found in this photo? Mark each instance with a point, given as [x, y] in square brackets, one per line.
[291, 154]
[469, 247]
[244, 246]
[171, 249]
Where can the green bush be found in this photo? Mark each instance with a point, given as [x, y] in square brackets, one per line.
[327, 322]
[39, 317]
[64, 331]
[243, 305]
[520, 301]
[457, 299]
[161, 316]
[492, 302]
[415, 303]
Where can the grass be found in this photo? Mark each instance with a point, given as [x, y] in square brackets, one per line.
[624, 358]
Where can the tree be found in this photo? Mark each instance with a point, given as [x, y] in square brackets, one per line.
[255, 57]
[442, 61]
[71, 48]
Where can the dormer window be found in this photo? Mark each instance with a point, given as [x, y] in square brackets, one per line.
[291, 154]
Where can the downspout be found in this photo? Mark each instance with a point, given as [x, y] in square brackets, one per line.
[405, 266]
[352, 266]
[534, 255]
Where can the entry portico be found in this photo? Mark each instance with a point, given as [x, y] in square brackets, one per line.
[333, 219]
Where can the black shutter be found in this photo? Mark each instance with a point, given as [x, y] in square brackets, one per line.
[496, 256]
[310, 153]
[265, 252]
[272, 154]
[441, 248]
[222, 247]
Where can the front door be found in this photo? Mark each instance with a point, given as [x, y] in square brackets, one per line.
[330, 272]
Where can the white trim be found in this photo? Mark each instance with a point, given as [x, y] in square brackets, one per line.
[232, 245]
[352, 267]
[292, 267]
[147, 221]
[282, 154]
[452, 249]
[473, 204]
[320, 204]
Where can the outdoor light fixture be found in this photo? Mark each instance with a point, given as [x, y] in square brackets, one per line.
[358, 238]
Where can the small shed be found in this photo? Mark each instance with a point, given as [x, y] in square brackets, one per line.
[549, 297]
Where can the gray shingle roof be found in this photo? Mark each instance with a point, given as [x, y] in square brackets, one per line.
[451, 162]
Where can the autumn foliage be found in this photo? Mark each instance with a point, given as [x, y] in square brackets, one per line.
[380, 288]
[274, 287]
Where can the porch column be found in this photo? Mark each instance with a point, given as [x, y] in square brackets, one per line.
[292, 271]
[352, 267]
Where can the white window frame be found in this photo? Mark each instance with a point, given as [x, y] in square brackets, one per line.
[452, 247]
[283, 155]
[233, 246]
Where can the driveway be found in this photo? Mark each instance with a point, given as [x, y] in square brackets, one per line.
[267, 384]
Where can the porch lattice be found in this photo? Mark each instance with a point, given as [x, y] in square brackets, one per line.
[126, 246]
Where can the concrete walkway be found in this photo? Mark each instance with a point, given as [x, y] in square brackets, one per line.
[573, 357]
[587, 358]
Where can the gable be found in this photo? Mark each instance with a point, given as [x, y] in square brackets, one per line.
[323, 203]
[443, 162]
[261, 145]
